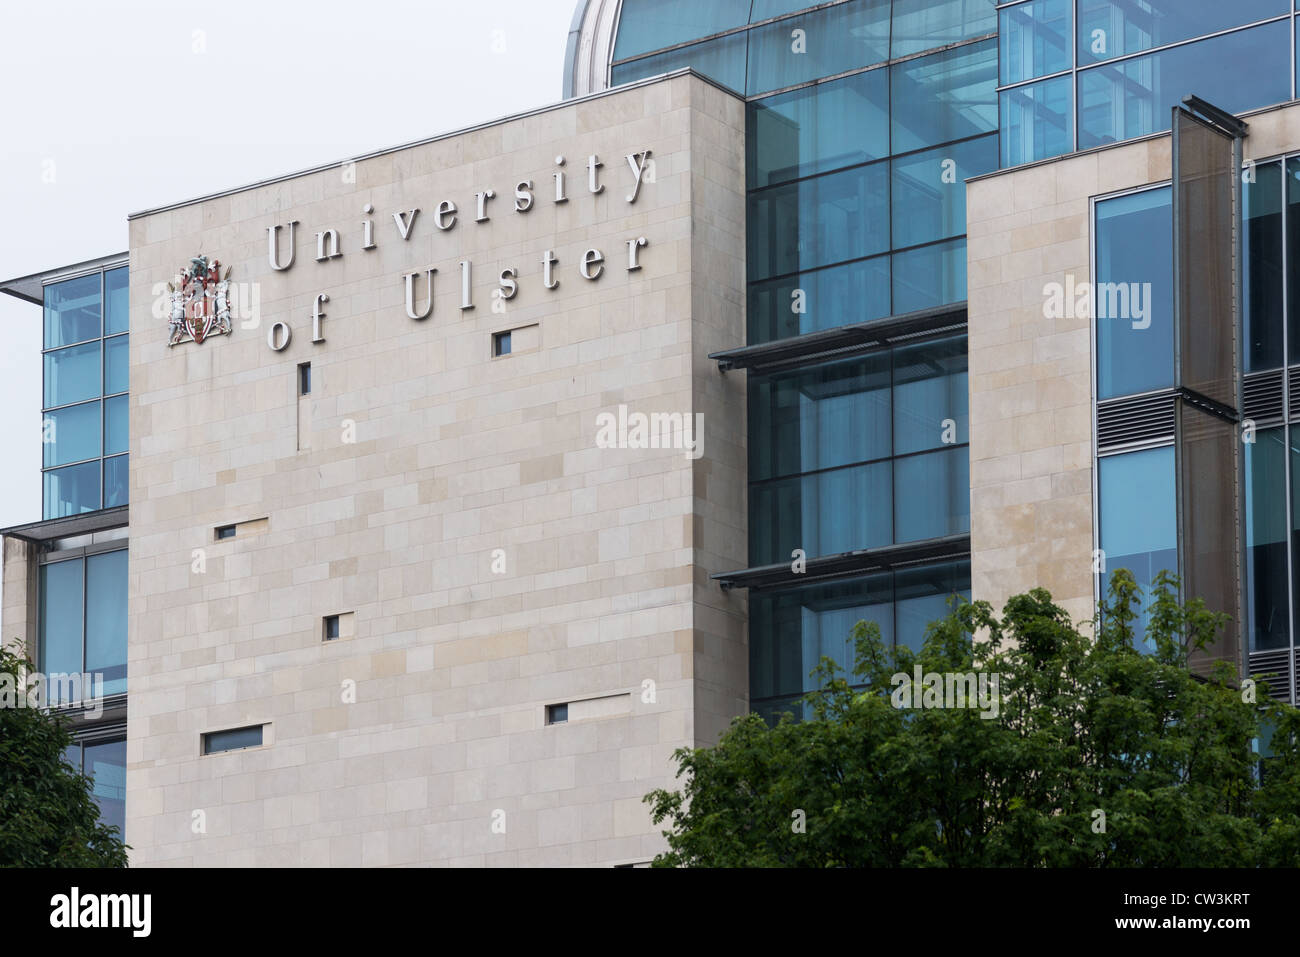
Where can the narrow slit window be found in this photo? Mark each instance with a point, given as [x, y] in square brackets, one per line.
[215, 742]
[331, 628]
[501, 344]
[304, 378]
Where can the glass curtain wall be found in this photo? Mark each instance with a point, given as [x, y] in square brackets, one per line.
[84, 418]
[82, 623]
[1077, 74]
[864, 120]
[861, 453]
[1135, 527]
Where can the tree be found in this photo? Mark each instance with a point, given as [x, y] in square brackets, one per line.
[48, 817]
[1082, 752]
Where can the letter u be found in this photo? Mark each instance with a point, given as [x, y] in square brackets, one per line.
[410, 295]
[272, 234]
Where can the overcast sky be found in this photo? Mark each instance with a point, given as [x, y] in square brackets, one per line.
[91, 100]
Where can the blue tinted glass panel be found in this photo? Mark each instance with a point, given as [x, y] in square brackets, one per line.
[930, 396]
[1133, 300]
[824, 514]
[70, 491]
[1295, 523]
[932, 495]
[819, 418]
[72, 311]
[1138, 519]
[71, 434]
[1293, 261]
[60, 623]
[790, 630]
[923, 596]
[803, 132]
[218, 741]
[930, 276]
[921, 25]
[106, 619]
[1112, 28]
[819, 221]
[105, 765]
[116, 318]
[823, 299]
[116, 486]
[809, 302]
[1035, 40]
[943, 97]
[1252, 68]
[1262, 260]
[115, 425]
[116, 364]
[766, 9]
[1037, 121]
[930, 189]
[822, 43]
[722, 59]
[72, 374]
[1266, 541]
[645, 25]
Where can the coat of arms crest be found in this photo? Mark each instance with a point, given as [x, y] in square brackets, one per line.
[200, 302]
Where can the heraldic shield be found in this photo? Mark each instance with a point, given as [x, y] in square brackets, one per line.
[200, 302]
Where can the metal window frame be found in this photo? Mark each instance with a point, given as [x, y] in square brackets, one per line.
[80, 554]
[102, 269]
[1098, 589]
[1076, 69]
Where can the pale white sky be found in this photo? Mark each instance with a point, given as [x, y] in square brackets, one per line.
[99, 97]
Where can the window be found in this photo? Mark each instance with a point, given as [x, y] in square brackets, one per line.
[1252, 68]
[72, 311]
[722, 60]
[924, 24]
[1034, 40]
[342, 625]
[82, 625]
[834, 39]
[214, 742]
[1262, 317]
[1037, 121]
[945, 96]
[929, 276]
[1267, 539]
[85, 407]
[304, 378]
[1293, 258]
[1134, 255]
[501, 344]
[819, 221]
[792, 628]
[255, 526]
[557, 713]
[929, 189]
[646, 25]
[860, 453]
[103, 759]
[1138, 520]
[801, 133]
[821, 299]
[1113, 28]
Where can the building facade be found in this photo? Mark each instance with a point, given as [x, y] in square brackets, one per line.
[469, 479]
